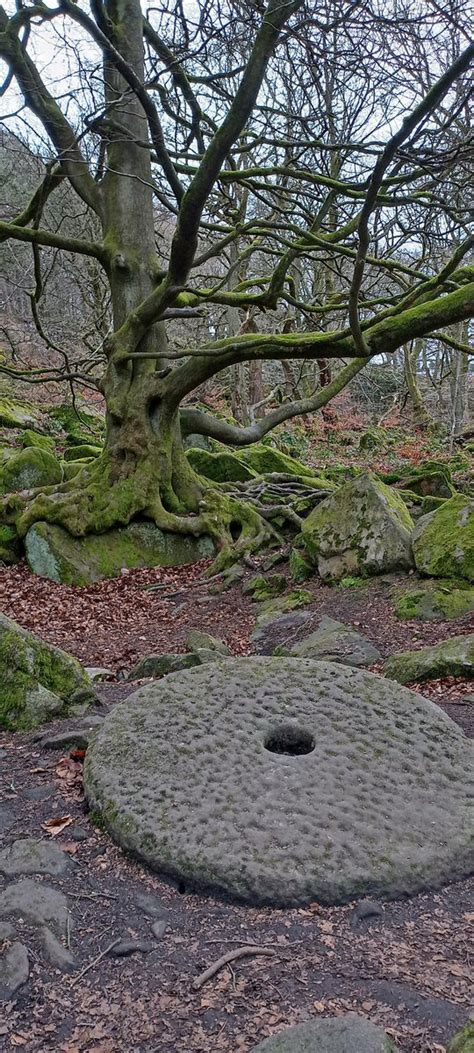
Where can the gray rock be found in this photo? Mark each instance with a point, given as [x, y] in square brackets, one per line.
[232, 576]
[159, 928]
[344, 1034]
[367, 908]
[55, 952]
[79, 738]
[454, 657]
[364, 528]
[156, 665]
[150, 905]
[78, 833]
[282, 625]
[128, 947]
[37, 903]
[281, 781]
[39, 793]
[28, 856]
[98, 672]
[38, 682]
[196, 640]
[53, 553]
[335, 642]
[7, 818]
[7, 931]
[14, 970]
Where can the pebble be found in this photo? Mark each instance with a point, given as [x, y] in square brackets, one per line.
[150, 905]
[367, 908]
[56, 953]
[159, 928]
[78, 833]
[126, 947]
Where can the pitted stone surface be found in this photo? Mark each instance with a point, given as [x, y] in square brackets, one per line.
[345, 1034]
[380, 805]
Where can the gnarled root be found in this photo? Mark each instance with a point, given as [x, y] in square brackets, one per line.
[237, 528]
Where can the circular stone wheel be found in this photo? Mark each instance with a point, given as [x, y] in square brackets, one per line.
[281, 781]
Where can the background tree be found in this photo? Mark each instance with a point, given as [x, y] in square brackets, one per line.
[303, 202]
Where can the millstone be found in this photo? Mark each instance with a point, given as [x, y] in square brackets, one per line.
[281, 781]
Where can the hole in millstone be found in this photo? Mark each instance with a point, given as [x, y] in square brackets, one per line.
[290, 740]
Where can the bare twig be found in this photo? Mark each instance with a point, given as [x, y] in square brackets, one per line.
[94, 962]
[230, 956]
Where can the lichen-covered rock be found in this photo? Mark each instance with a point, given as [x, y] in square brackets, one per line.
[220, 467]
[80, 426]
[433, 603]
[28, 469]
[343, 1034]
[429, 482]
[271, 610]
[264, 460]
[443, 541]
[82, 453]
[454, 657]
[261, 587]
[38, 682]
[300, 569]
[283, 781]
[463, 1041]
[16, 414]
[333, 641]
[156, 665]
[10, 545]
[41, 442]
[53, 553]
[196, 640]
[364, 528]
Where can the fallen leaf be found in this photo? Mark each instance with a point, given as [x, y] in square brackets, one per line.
[55, 825]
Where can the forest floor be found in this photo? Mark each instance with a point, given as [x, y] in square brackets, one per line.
[406, 967]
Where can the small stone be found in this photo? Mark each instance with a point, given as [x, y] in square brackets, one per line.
[28, 856]
[344, 1034]
[156, 665]
[150, 905]
[367, 908]
[97, 673]
[38, 903]
[196, 640]
[127, 947]
[79, 834]
[335, 642]
[56, 953]
[79, 739]
[14, 970]
[230, 577]
[159, 928]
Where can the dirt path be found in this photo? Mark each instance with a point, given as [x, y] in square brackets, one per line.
[406, 967]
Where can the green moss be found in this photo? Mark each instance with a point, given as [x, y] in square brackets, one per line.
[443, 541]
[300, 569]
[284, 604]
[463, 1041]
[352, 583]
[15, 414]
[28, 469]
[430, 504]
[85, 452]
[10, 545]
[38, 682]
[262, 588]
[41, 442]
[264, 460]
[454, 657]
[79, 425]
[440, 603]
[220, 467]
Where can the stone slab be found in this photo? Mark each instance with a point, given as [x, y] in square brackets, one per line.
[186, 777]
[27, 856]
[346, 1034]
[37, 903]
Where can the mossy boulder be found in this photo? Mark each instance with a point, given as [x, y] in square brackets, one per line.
[38, 682]
[18, 414]
[220, 467]
[431, 603]
[431, 504]
[29, 469]
[81, 453]
[72, 468]
[434, 482]
[463, 1041]
[265, 460]
[10, 545]
[300, 568]
[443, 540]
[454, 657]
[80, 426]
[272, 610]
[261, 588]
[363, 529]
[40, 442]
[53, 553]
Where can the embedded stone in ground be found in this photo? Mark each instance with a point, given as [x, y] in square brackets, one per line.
[28, 856]
[365, 791]
[345, 1034]
[14, 970]
[37, 903]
